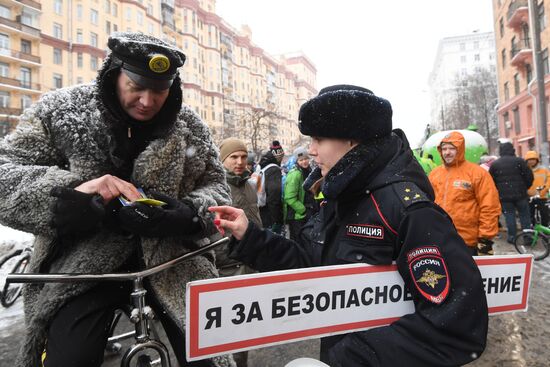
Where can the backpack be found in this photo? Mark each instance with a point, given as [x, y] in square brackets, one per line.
[262, 196]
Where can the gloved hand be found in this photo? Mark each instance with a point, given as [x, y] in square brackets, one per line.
[75, 212]
[174, 219]
[484, 247]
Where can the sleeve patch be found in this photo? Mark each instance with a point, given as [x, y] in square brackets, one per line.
[429, 273]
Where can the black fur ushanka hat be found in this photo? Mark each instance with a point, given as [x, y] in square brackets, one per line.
[346, 112]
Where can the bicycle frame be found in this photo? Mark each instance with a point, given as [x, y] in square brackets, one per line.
[141, 313]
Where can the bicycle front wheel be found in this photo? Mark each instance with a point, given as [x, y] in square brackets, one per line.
[11, 292]
[525, 244]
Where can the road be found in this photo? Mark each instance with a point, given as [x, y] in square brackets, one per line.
[515, 339]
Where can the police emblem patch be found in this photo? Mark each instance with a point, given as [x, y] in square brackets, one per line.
[159, 63]
[429, 273]
[365, 230]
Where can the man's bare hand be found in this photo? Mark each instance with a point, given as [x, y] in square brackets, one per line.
[109, 187]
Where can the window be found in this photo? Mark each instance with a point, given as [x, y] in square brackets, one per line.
[57, 56]
[94, 16]
[93, 62]
[26, 47]
[139, 17]
[115, 28]
[540, 16]
[57, 30]
[150, 28]
[516, 84]
[5, 12]
[528, 73]
[79, 11]
[4, 99]
[476, 57]
[4, 69]
[517, 121]
[79, 60]
[506, 92]
[79, 80]
[150, 9]
[462, 48]
[93, 39]
[129, 14]
[25, 77]
[476, 45]
[107, 6]
[108, 27]
[504, 58]
[26, 101]
[27, 18]
[57, 81]
[58, 7]
[463, 59]
[79, 36]
[4, 41]
[115, 10]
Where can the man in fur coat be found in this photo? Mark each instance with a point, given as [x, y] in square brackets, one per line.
[62, 171]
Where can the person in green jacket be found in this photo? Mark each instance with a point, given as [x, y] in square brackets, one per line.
[298, 203]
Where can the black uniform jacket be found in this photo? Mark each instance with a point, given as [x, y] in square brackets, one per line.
[385, 213]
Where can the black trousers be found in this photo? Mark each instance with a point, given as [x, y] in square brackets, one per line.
[539, 204]
[294, 227]
[78, 333]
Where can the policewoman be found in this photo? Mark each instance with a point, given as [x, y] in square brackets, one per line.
[378, 208]
[74, 153]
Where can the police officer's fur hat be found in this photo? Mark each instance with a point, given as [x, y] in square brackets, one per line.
[346, 112]
[146, 60]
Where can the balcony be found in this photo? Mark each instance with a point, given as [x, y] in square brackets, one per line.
[31, 3]
[19, 84]
[20, 27]
[22, 56]
[521, 53]
[518, 13]
[10, 111]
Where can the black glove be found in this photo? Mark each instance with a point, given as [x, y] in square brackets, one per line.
[484, 247]
[174, 219]
[75, 212]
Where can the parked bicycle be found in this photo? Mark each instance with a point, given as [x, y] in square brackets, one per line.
[140, 314]
[19, 260]
[534, 241]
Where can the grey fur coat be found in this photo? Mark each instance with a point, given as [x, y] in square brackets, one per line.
[63, 139]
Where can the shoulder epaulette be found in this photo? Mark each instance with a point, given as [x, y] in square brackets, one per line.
[409, 193]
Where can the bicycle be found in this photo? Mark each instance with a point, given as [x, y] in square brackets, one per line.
[534, 241]
[10, 292]
[140, 314]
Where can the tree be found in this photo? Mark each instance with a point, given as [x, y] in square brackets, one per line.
[474, 102]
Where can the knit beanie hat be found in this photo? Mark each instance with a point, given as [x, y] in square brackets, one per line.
[346, 112]
[300, 152]
[276, 149]
[231, 145]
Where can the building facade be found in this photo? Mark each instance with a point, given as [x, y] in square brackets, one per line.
[233, 84]
[516, 86]
[457, 57]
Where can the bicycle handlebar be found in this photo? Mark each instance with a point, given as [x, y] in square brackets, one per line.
[76, 277]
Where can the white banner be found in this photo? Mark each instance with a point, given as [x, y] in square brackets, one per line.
[227, 315]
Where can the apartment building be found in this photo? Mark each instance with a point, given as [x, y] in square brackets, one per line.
[457, 57]
[517, 106]
[227, 79]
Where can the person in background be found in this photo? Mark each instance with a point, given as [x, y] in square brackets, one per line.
[299, 204]
[485, 161]
[512, 177]
[378, 209]
[426, 163]
[62, 174]
[270, 188]
[234, 157]
[541, 180]
[468, 194]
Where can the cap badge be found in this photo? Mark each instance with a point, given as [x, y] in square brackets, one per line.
[159, 63]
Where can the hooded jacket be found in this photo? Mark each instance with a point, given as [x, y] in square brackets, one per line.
[378, 208]
[272, 212]
[541, 177]
[511, 174]
[467, 193]
[76, 134]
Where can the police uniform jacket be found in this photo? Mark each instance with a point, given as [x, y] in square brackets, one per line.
[379, 209]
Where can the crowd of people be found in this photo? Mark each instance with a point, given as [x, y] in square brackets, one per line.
[73, 171]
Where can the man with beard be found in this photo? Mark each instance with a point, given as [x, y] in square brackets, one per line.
[74, 154]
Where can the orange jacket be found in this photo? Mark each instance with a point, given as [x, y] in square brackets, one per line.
[541, 176]
[467, 193]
